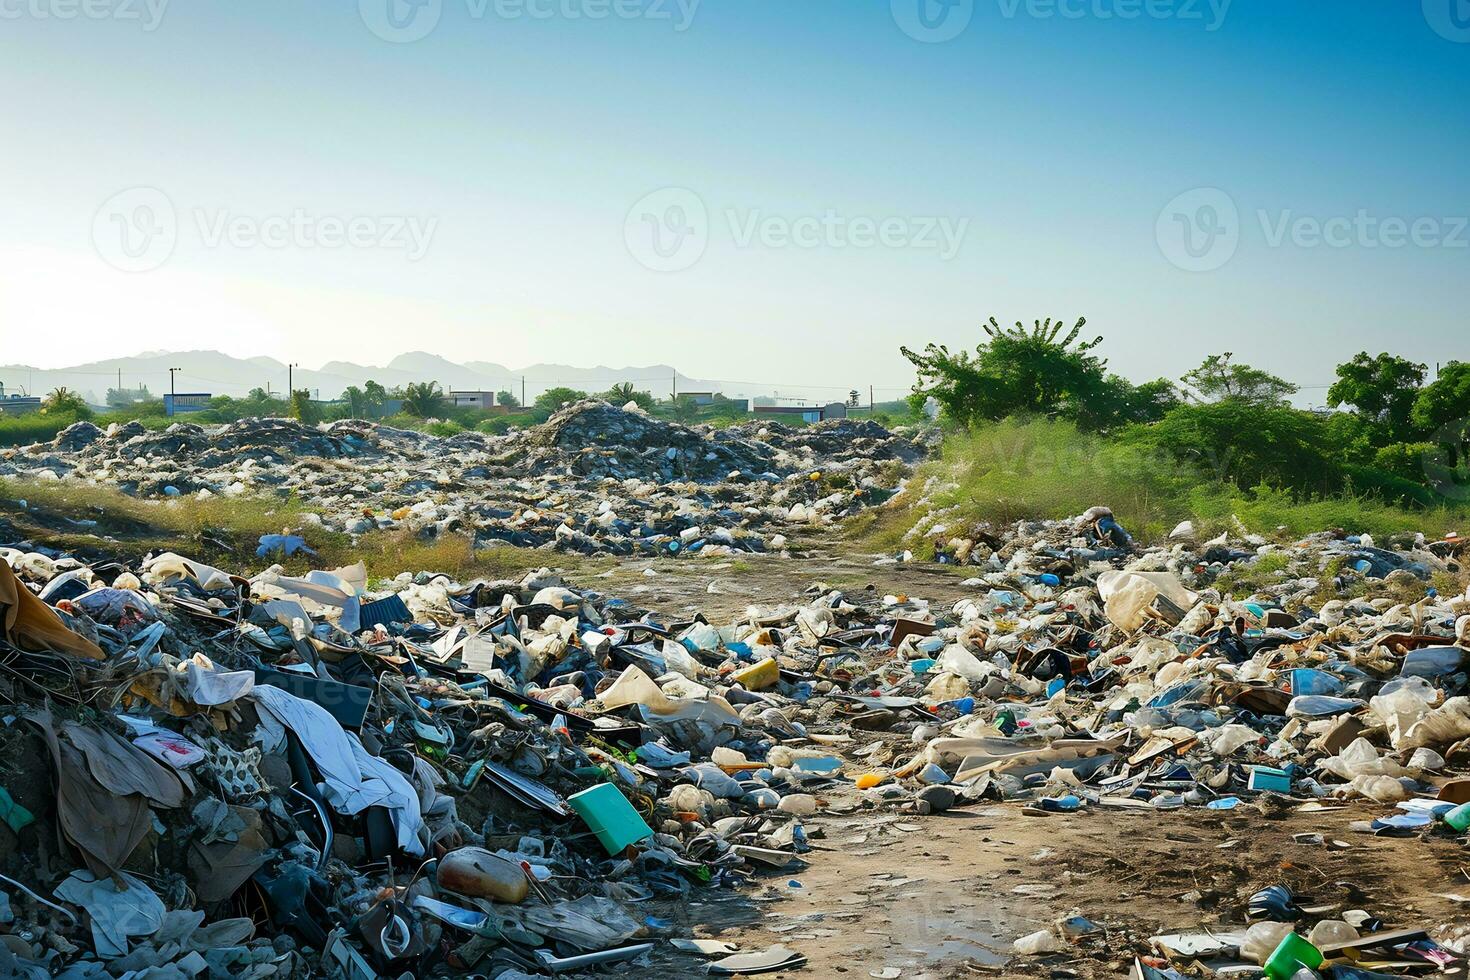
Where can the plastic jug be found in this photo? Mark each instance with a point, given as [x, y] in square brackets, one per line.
[1459, 817]
[1293, 954]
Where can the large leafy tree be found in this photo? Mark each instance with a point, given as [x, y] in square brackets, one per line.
[1445, 400]
[1046, 369]
[554, 398]
[375, 393]
[1249, 444]
[507, 399]
[357, 402]
[64, 401]
[1015, 370]
[1382, 390]
[1219, 379]
[423, 399]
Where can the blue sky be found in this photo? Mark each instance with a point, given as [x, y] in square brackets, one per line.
[505, 171]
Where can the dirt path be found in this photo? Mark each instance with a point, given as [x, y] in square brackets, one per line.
[944, 897]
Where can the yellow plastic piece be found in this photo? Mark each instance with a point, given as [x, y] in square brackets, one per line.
[759, 676]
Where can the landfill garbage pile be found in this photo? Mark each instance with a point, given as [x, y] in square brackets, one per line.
[301, 776]
[322, 775]
[592, 479]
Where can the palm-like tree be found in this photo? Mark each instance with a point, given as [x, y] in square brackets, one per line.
[423, 399]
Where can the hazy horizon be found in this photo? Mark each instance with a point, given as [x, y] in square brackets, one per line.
[762, 191]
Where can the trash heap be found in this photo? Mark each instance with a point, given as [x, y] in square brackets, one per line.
[324, 775]
[292, 776]
[1230, 674]
[592, 479]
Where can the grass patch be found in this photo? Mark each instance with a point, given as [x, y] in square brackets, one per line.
[225, 532]
[1018, 470]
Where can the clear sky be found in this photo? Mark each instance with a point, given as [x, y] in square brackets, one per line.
[769, 190]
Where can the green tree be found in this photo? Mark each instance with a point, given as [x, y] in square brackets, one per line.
[64, 401]
[1217, 380]
[1445, 400]
[624, 392]
[127, 397]
[1382, 390]
[684, 408]
[554, 398]
[1249, 444]
[507, 399]
[357, 402]
[423, 399]
[377, 395]
[304, 409]
[1019, 371]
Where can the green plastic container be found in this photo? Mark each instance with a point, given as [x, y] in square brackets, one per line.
[611, 817]
[1459, 817]
[1293, 954]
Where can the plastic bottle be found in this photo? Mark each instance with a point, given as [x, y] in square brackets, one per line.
[1459, 817]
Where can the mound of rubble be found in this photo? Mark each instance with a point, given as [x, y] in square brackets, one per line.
[328, 775]
[592, 479]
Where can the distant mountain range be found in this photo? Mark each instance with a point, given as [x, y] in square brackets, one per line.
[221, 374]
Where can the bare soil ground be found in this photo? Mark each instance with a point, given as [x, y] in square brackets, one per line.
[945, 896]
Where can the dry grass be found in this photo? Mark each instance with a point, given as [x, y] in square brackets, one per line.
[226, 531]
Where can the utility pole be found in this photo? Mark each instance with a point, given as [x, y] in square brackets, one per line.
[870, 399]
[119, 381]
[523, 391]
[290, 381]
[676, 385]
[171, 372]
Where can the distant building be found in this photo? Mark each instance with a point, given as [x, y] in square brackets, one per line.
[699, 397]
[185, 402]
[472, 399]
[483, 401]
[807, 413]
[17, 404]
